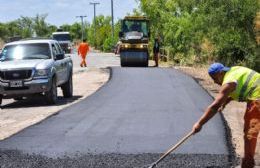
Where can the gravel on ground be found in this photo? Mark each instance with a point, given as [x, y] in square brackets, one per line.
[10, 159]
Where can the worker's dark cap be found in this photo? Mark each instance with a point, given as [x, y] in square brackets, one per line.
[217, 67]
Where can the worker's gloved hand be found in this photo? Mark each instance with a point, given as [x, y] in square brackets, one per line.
[196, 127]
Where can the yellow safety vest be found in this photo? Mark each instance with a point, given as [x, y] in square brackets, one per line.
[248, 83]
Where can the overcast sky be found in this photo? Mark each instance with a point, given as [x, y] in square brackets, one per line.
[63, 11]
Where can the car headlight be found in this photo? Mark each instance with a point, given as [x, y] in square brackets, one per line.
[41, 73]
[125, 46]
[143, 46]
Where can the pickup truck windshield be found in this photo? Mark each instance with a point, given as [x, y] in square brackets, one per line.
[25, 52]
[61, 37]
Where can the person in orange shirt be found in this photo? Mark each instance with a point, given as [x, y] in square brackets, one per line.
[82, 51]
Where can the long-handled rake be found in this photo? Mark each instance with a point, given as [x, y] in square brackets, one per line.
[153, 165]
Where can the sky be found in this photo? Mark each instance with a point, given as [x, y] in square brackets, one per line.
[63, 11]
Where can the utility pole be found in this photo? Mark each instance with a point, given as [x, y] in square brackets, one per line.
[94, 4]
[82, 26]
[112, 15]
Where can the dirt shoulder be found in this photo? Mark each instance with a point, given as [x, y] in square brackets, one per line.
[233, 113]
[18, 115]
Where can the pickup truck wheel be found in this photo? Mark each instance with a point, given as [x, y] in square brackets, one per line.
[67, 88]
[51, 95]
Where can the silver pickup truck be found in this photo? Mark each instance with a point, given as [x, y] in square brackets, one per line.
[30, 67]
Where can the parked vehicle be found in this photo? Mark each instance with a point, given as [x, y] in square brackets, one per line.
[64, 39]
[32, 67]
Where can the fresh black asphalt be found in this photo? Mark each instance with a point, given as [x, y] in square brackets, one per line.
[129, 122]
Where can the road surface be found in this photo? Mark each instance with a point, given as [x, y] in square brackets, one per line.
[95, 61]
[134, 118]
[17, 115]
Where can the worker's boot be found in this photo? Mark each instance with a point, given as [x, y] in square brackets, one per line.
[248, 163]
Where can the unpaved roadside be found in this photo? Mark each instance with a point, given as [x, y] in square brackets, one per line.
[17, 115]
[233, 113]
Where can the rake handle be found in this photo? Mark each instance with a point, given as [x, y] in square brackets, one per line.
[174, 147]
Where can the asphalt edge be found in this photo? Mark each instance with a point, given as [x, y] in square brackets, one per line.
[57, 112]
[233, 158]
[110, 69]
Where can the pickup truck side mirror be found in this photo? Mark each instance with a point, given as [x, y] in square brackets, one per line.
[60, 56]
[121, 34]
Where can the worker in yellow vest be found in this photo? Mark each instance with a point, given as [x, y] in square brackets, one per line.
[241, 84]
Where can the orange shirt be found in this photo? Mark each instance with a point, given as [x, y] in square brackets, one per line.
[83, 49]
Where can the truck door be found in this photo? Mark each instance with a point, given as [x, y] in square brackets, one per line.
[64, 64]
[57, 65]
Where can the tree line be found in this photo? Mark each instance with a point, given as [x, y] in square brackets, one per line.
[28, 27]
[192, 31]
[202, 31]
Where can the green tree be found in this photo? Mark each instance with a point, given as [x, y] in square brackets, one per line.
[13, 29]
[65, 27]
[75, 30]
[103, 40]
[224, 26]
[3, 31]
[51, 29]
[26, 25]
[40, 26]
